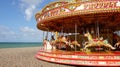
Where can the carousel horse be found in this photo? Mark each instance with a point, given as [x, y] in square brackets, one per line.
[61, 42]
[71, 44]
[96, 42]
[75, 43]
[61, 39]
[47, 45]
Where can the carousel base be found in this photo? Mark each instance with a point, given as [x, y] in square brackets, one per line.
[80, 58]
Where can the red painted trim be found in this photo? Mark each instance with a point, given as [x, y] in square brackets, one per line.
[83, 53]
[89, 61]
[72, 63]
[78, 58]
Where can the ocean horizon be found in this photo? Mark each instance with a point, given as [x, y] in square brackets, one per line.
[19, 44]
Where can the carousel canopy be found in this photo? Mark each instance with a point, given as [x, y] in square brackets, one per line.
[85, 14]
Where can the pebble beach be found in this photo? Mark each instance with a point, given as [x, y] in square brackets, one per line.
[23, 57]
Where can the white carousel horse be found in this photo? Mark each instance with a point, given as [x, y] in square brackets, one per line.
[90, 41]
[47, 45]
[96, 42]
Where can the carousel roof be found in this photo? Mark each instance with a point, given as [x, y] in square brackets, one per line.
[65, 15]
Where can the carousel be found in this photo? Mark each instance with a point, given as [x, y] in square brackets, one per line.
[83, 32]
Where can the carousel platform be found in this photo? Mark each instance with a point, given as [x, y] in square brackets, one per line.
[80, 58]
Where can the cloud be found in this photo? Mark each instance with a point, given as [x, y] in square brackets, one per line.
[29, 12]
[6, 33]
[24, 34]
[5, 30]
[27, 29]
[29, 7]
[31, 34]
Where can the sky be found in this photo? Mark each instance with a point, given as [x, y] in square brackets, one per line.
[17, 20]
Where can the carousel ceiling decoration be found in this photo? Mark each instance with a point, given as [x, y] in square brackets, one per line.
[80, 12]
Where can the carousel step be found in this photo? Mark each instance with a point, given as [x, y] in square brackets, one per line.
[82, 56]
[80, 62]
[80, 59]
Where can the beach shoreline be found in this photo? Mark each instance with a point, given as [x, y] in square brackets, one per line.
[23, 57]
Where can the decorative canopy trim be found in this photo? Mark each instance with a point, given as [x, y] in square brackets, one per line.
[105, 12]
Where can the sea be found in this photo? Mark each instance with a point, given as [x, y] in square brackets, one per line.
[19, 44]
